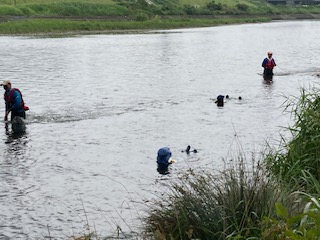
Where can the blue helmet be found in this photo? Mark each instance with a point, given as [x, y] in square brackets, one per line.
[164, 154]
[220, 98]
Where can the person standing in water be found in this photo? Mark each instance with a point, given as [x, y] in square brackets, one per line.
[268, 64]
[14, 101]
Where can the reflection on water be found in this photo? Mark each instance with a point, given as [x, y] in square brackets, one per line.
[16, 140]
[101, 106]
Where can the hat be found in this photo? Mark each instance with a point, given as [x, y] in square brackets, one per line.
[5, 83]
[164, 155]
[220, 97]
[270, 53]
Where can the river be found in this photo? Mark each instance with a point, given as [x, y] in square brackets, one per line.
[102, 105]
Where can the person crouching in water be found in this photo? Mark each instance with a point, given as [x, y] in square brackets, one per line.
[164, 160]
[14, 101]
[220, 101]
[268, 64]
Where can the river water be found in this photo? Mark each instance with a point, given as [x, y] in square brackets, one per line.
[102, 105]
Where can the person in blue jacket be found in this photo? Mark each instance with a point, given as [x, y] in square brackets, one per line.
[164, 160]
[14, 101]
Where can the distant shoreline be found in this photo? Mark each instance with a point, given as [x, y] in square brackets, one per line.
[52, 26]
[300, 16]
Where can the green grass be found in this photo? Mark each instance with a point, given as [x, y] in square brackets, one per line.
[24, 2]
[77, 9]
[228, 205]
[297, 162]
[58, 26]
[204, 2]
[64, 9]
[133, 7]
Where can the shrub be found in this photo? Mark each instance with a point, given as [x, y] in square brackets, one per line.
[10, 11]
[203, 205]
[242, 7]
[141, 16]
[26, 11]
[190, 10]
[77, 9]
[214, 6]
[302, 226]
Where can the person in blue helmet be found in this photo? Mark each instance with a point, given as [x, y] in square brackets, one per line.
[14, 101]
[164, 159]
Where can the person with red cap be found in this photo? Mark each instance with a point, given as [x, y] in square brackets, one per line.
[14, 101]
[268, 64]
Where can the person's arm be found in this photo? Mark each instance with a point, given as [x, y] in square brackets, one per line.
[6, 112]
[264, 63]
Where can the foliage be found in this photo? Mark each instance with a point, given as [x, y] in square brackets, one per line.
[141, 16]
[25, 11]
[190, 10]
[62, 27]
[9, 10]
[302, 226]
[63, 9]
[214, 6]
[297, 162]
[77, 9]
[229, 205]
[83, 8]
[242, 7]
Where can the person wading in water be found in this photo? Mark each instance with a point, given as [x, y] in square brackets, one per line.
[268, 64]
[14, 102]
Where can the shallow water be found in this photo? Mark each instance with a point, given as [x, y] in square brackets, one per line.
[102, 105]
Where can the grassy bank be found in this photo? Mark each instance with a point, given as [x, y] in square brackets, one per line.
[60, 16]
[57, 26]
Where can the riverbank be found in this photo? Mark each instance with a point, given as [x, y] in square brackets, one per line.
[64, 26]
[72, 25]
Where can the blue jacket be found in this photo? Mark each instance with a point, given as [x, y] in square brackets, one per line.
[14, 100]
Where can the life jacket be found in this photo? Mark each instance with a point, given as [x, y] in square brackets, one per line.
[9, 98]
[270, 63]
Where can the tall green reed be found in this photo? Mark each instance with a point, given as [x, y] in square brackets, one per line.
[297, 161]
[204, 205]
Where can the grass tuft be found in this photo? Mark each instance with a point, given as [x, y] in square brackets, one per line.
[202, 205]
[297, 162]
